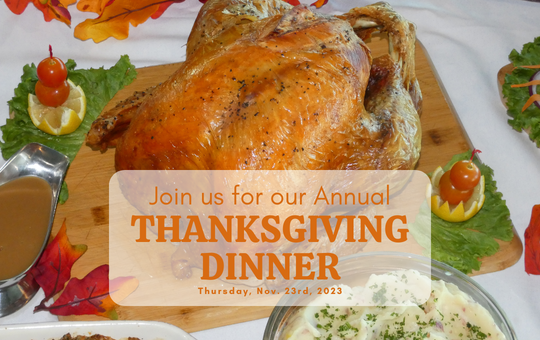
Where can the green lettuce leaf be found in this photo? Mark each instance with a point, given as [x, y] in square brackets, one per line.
[518, 96]
[462, 244]
[99, 86]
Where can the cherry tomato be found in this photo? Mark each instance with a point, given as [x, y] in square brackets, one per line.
[465, 175]
[52, 96]
[449, 193]
[52, 72]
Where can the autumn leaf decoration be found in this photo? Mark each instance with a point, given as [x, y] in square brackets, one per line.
[114, 16]
[54, 267]
[294, 2]
[94, 294]
[52, 9]
[319, 3]
[532, 243]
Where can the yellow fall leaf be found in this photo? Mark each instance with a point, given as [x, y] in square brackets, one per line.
[95, 6]
[66, 3]
[116, 17]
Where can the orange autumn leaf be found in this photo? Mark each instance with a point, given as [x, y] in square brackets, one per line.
[53, 269]
[319, 3]
[94, 294]
[116, 17]
[95, 6]
[52, 9]
[66, 3]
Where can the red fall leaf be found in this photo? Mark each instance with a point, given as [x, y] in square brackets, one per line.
[52, 9]
[54, 267]
[17, 6]
[532, 243]
[162, 8]
[293, 2]
[94, 294]
[116, 17]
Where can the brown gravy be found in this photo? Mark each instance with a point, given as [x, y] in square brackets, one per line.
[25, 209]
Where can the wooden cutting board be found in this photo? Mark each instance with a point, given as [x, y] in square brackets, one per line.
[86, 211]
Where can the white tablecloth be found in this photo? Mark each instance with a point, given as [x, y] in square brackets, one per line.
[468, 42]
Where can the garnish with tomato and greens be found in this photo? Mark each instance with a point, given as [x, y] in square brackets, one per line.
[521, 90]
[463, 242]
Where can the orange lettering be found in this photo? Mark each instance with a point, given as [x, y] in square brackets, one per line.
[230, 266]
[246, 229]
[323, 266]
[375, 232]
[199, 232]
[300, 265]
[225, 233]
[142, 226]
[273, 230]
[332, 234]
[402, 232]
[313, 228]
[287, 229]
[256, 270]
[206, 266]
[381, 198]
[175, 228]
[284, 270]
[323, 198]
[218, 198]
[280, 197]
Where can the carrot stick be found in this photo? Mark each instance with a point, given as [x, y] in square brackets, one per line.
[530, 66]
[532, 82]
[531, 100]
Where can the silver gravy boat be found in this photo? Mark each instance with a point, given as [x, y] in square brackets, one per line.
[40, 161]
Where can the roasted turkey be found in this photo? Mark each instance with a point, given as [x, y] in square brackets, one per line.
[269, 86]
[266, 85]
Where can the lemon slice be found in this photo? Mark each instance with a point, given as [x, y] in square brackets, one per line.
[455, 213]
[60, 120]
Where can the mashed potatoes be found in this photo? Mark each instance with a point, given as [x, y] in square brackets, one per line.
[387, 309]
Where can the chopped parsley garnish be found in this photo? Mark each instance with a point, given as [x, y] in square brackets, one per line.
[379, 297]
[371, 317]
[475, 333]
[346, 327]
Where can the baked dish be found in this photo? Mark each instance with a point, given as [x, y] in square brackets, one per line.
[269, 86]
[266, 85]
